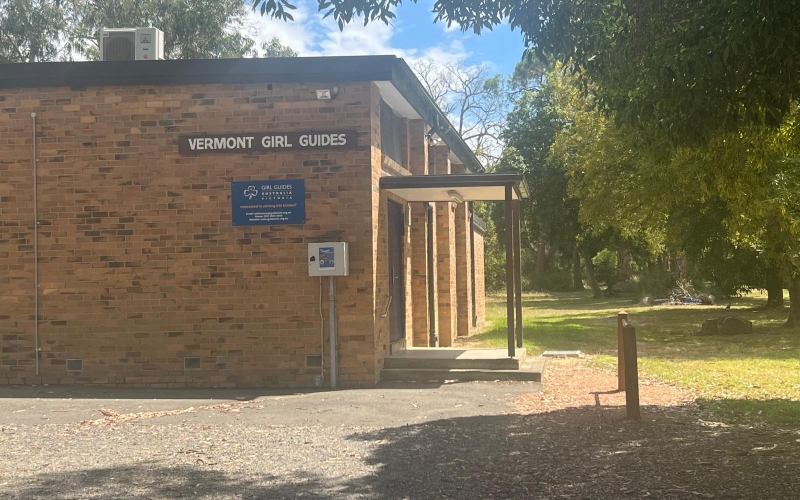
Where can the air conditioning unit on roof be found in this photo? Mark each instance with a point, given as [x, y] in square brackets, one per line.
[129, 44]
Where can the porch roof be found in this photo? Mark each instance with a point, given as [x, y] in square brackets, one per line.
[456, 187]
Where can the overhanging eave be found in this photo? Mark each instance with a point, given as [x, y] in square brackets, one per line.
[456, 187]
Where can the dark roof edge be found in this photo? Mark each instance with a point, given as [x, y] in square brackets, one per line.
[478, 223]
[409, 86]
[197, 71]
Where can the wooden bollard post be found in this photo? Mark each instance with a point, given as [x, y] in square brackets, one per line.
[631, 373]
[621, 316]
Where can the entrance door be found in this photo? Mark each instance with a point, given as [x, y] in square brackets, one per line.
[397, 307]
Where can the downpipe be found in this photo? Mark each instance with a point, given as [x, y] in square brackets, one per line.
[333, 333]
[35, 249]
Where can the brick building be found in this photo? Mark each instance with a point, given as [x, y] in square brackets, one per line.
[143, 279]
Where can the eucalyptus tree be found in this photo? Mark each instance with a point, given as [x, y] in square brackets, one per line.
[61, 30]
[683, 74]
[31, 30]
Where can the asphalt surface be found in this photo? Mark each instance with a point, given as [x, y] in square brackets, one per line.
[388, 404]
[70, 444]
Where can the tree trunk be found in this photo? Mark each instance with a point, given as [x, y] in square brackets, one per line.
[774, 288]
[590, 275]
[623, 265]
[577, 279]
[541, 262]
[549, 255]
[794, 302]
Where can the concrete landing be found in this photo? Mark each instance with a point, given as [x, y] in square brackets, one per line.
[452, 358]
[438, 364]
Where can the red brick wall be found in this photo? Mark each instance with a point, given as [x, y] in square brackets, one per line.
[480, 282]
[139, 263]
[463, 246]
[418, 164]
[445, 255]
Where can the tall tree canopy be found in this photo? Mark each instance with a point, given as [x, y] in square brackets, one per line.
[689, 67]
[52, 30]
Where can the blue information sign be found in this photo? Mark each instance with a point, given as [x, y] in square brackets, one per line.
[257, 203]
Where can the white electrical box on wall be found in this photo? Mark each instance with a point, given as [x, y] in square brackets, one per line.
[328, 259]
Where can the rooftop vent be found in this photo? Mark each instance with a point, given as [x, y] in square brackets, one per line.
[129, 44]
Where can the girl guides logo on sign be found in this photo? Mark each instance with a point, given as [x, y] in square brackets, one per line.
[256, 203]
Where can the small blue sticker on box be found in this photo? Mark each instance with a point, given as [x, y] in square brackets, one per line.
[326, 258]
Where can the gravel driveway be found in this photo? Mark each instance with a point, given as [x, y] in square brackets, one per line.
[58, 443]
[459, 441]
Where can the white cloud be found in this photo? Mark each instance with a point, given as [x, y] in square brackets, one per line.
[451, 53]
[357, 39]
[298, 34]
[310, 35]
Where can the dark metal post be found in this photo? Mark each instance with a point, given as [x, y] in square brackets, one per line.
[517, 273]
[509, 215]
[622, 317]
[631, 373]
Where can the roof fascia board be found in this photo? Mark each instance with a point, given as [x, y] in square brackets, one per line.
[457, 180]
[197, 71]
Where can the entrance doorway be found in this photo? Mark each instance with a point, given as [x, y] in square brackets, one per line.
[397, 289]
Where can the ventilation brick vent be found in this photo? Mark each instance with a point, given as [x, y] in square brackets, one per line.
[74, 365]
[313, 361]
[191, 363]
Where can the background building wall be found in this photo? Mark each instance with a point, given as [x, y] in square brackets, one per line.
[140, 265]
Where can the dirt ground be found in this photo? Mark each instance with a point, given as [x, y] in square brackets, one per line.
[673, 452]
[454, 441]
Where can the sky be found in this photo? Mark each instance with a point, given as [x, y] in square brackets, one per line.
[411, 35]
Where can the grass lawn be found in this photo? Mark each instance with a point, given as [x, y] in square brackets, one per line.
[744, 378]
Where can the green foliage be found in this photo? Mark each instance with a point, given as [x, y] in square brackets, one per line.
[556, 279]
[49, 30]
[30, 30]
[661, 106]
[193, 29]
[654, 282]
[549, 216]
[274, 48]
[494, 258]
[605, 267]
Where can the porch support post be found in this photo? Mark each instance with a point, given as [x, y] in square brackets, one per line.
[509, 216]
[518, 273]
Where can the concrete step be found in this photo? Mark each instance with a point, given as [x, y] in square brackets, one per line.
[454, 359]
[531, 371]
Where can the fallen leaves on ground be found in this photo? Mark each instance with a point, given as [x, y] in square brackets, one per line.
[113, 417]
[572, 383]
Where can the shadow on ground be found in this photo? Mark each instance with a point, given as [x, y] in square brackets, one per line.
[585, 452]
[146, 481]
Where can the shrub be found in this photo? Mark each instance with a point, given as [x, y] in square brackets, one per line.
[656, 282]
[557, 280]
[605, 267]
